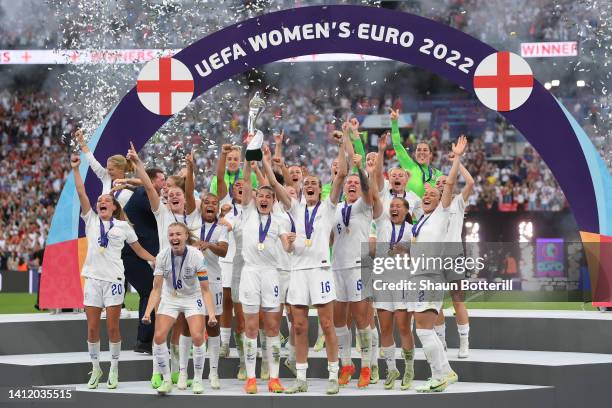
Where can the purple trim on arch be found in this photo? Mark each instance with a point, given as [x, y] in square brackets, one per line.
[540, 119]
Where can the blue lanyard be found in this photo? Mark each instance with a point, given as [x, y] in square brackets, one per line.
[184, 217]
[235, 209]
[416, 228]
[309, 220]
[423, 173]
[103, 240]
[174, 280]
[399, 236]
[231, 185]
[346, 214]
[263, 231]
[206, 237]
[292, 223]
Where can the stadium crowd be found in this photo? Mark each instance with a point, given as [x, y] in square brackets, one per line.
[33, 153]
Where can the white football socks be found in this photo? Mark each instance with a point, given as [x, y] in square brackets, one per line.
[250, 346]
[185, 343]
[115, 351]
[160, 356]
[214, 346]
[94, 354]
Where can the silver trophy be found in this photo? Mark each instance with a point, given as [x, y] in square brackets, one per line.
[256, 108]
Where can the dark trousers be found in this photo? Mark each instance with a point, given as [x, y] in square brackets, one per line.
[138, 273]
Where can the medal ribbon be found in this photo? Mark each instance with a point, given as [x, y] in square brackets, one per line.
[423, 173]
[206, 237]
[184, 217]
[346, 214]
[103, 240]
[174, 280]
[231, 185]
[292, 223]
[416, 228]
[399, 236]
[309, 220]
[263, 231]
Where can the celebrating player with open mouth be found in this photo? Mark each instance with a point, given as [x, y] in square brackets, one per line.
[106, 229]
[178, 208]
[429, 234]
[394, 228]
[312, 281]
[259, 283]
[351, 228]
[180, 285]
[213, 242]
[116, 168]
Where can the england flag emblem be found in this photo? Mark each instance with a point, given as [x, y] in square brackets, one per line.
[165, 86]
[503, 81]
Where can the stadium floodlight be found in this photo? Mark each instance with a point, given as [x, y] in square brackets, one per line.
[547, 85]
[555, 82]
[525, 230]
[580, 83]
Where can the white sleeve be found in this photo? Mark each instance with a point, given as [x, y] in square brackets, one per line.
[95, 165]
[159, 261]
[130, 234]
[87, 217]
[223, 235]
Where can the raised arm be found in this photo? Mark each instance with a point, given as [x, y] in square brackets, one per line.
[279, 190]
[363, 180]
[75, 162]
[93, 163]
[458, 149]
[144, 177]
[469, 182]
[377, 207]
[356, 140]
[190, 203]
[380, 160]
[336, 189]
[403, 156]
[278, 147]
[247, 190]
[261, 179]
[221, 187]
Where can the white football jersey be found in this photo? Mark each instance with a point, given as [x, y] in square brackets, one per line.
[348, 240]
[187, 268]
[317, 254]
[231, 216]
[455, 221]
[105, 263]
[165, 217]
[218, 234]
[254, 253]
[386, 195]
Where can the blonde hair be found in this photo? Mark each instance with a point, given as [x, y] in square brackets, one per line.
[185, 228]
[121, 162]
[178, 181]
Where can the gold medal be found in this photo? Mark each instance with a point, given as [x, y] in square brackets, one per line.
[261, 246]
[348, 230]
[414, 239]
[308, 242]
[101, 249]
[175, 293]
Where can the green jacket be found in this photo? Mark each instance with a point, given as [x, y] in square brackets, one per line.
[419, 174]
[229, 179]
